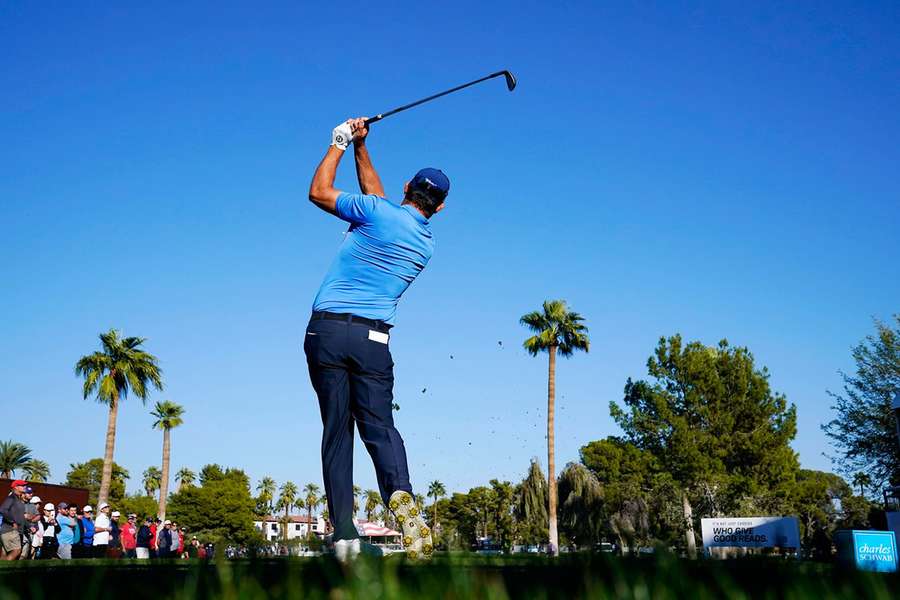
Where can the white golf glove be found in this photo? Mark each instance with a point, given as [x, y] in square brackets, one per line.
[342, 136]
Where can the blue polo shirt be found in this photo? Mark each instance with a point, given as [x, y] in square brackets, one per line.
[386, 247]
[67, 526]
[88, 539]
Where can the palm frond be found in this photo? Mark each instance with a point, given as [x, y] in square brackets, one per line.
[13, 456]
[168, 415]
[555, 326]
[119, 369]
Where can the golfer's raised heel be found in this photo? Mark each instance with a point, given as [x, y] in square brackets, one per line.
[417, 541]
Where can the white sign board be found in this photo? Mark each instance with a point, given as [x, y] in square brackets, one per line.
[751, 532]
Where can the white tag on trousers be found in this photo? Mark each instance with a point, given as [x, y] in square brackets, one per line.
[377, 336]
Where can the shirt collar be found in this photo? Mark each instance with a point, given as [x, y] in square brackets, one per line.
[415, 212]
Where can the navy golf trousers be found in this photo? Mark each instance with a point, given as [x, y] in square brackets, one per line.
[352, 371]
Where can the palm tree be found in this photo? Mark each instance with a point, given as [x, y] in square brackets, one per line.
[373, 500]
[286, 500]
[13, 456]
[357, 494]
[323, 502]
[312, 500]
[557, 330]
[168, 417]
[863, 480]
[152, 480]
[121, 367]
[36, 470]
[266, 489]
[437, 491]
[185, 478]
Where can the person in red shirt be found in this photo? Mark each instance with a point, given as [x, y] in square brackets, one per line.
[154, 529]
[128, 537]
[182, 533]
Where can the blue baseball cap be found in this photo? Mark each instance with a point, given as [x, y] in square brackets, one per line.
[431, 180]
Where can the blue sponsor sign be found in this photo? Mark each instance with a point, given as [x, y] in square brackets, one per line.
[868, 550]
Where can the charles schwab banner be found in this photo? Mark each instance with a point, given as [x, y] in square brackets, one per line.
[751, 532]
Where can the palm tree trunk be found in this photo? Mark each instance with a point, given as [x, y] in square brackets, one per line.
[551, 450]
[164, 484]
[284, 525]
[308, 523]
[106, 477]
[689, 525]
[434, 521]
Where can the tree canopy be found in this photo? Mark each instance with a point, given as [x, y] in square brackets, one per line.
[14, 456]
[220, 508]
[864, 430]
[710, 419]
[88, 475]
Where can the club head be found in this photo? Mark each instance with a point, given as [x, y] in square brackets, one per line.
[510, 80]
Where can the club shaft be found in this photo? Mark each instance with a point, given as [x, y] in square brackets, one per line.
[380, 116]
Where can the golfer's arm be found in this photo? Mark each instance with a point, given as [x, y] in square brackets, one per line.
[321, 190]
[369, 182]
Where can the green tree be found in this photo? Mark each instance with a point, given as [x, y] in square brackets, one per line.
[221, 508]
[372, 502]
[266, 490]
[582, 514]
[185, 478]
[477, 508]
[88, 475]
[637, 496]
[858, 512]
[311, 500]
[13, 457]
[168, 416]
[556, 330]
[816, 496]
[531, 506]
[437, 491]
[152, 480]
[864, 431]
[119, 369]
[139, 504]
[36, 470]
[286, 500]
[863, 481]
[503, 509]
[211, 472]
[713, 424]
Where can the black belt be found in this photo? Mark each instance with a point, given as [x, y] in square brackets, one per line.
[348, 318]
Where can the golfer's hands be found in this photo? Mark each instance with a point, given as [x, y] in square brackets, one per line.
[359, 129]
[342, 135]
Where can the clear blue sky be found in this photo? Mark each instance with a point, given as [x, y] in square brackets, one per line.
[717, 171]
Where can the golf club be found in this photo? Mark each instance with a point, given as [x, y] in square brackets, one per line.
[510, 84]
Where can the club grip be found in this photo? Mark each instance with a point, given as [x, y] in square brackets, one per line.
[374, 119]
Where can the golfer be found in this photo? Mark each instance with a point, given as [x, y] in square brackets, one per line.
[347, 340]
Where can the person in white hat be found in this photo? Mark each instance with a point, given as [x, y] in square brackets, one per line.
[115, 544]
[101, 531]
[35, 533]
[49, 545]
[164, 540]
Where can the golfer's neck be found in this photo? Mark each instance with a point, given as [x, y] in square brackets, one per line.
[421, 212]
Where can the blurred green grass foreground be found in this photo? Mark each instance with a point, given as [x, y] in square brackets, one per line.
[466, 576]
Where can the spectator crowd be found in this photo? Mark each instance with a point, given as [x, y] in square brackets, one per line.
[30, 531]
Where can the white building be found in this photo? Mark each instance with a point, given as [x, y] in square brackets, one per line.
[297, 527]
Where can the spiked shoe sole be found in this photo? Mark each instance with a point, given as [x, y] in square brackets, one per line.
[416, 534]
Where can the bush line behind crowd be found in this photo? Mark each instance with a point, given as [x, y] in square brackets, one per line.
[32, 531]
